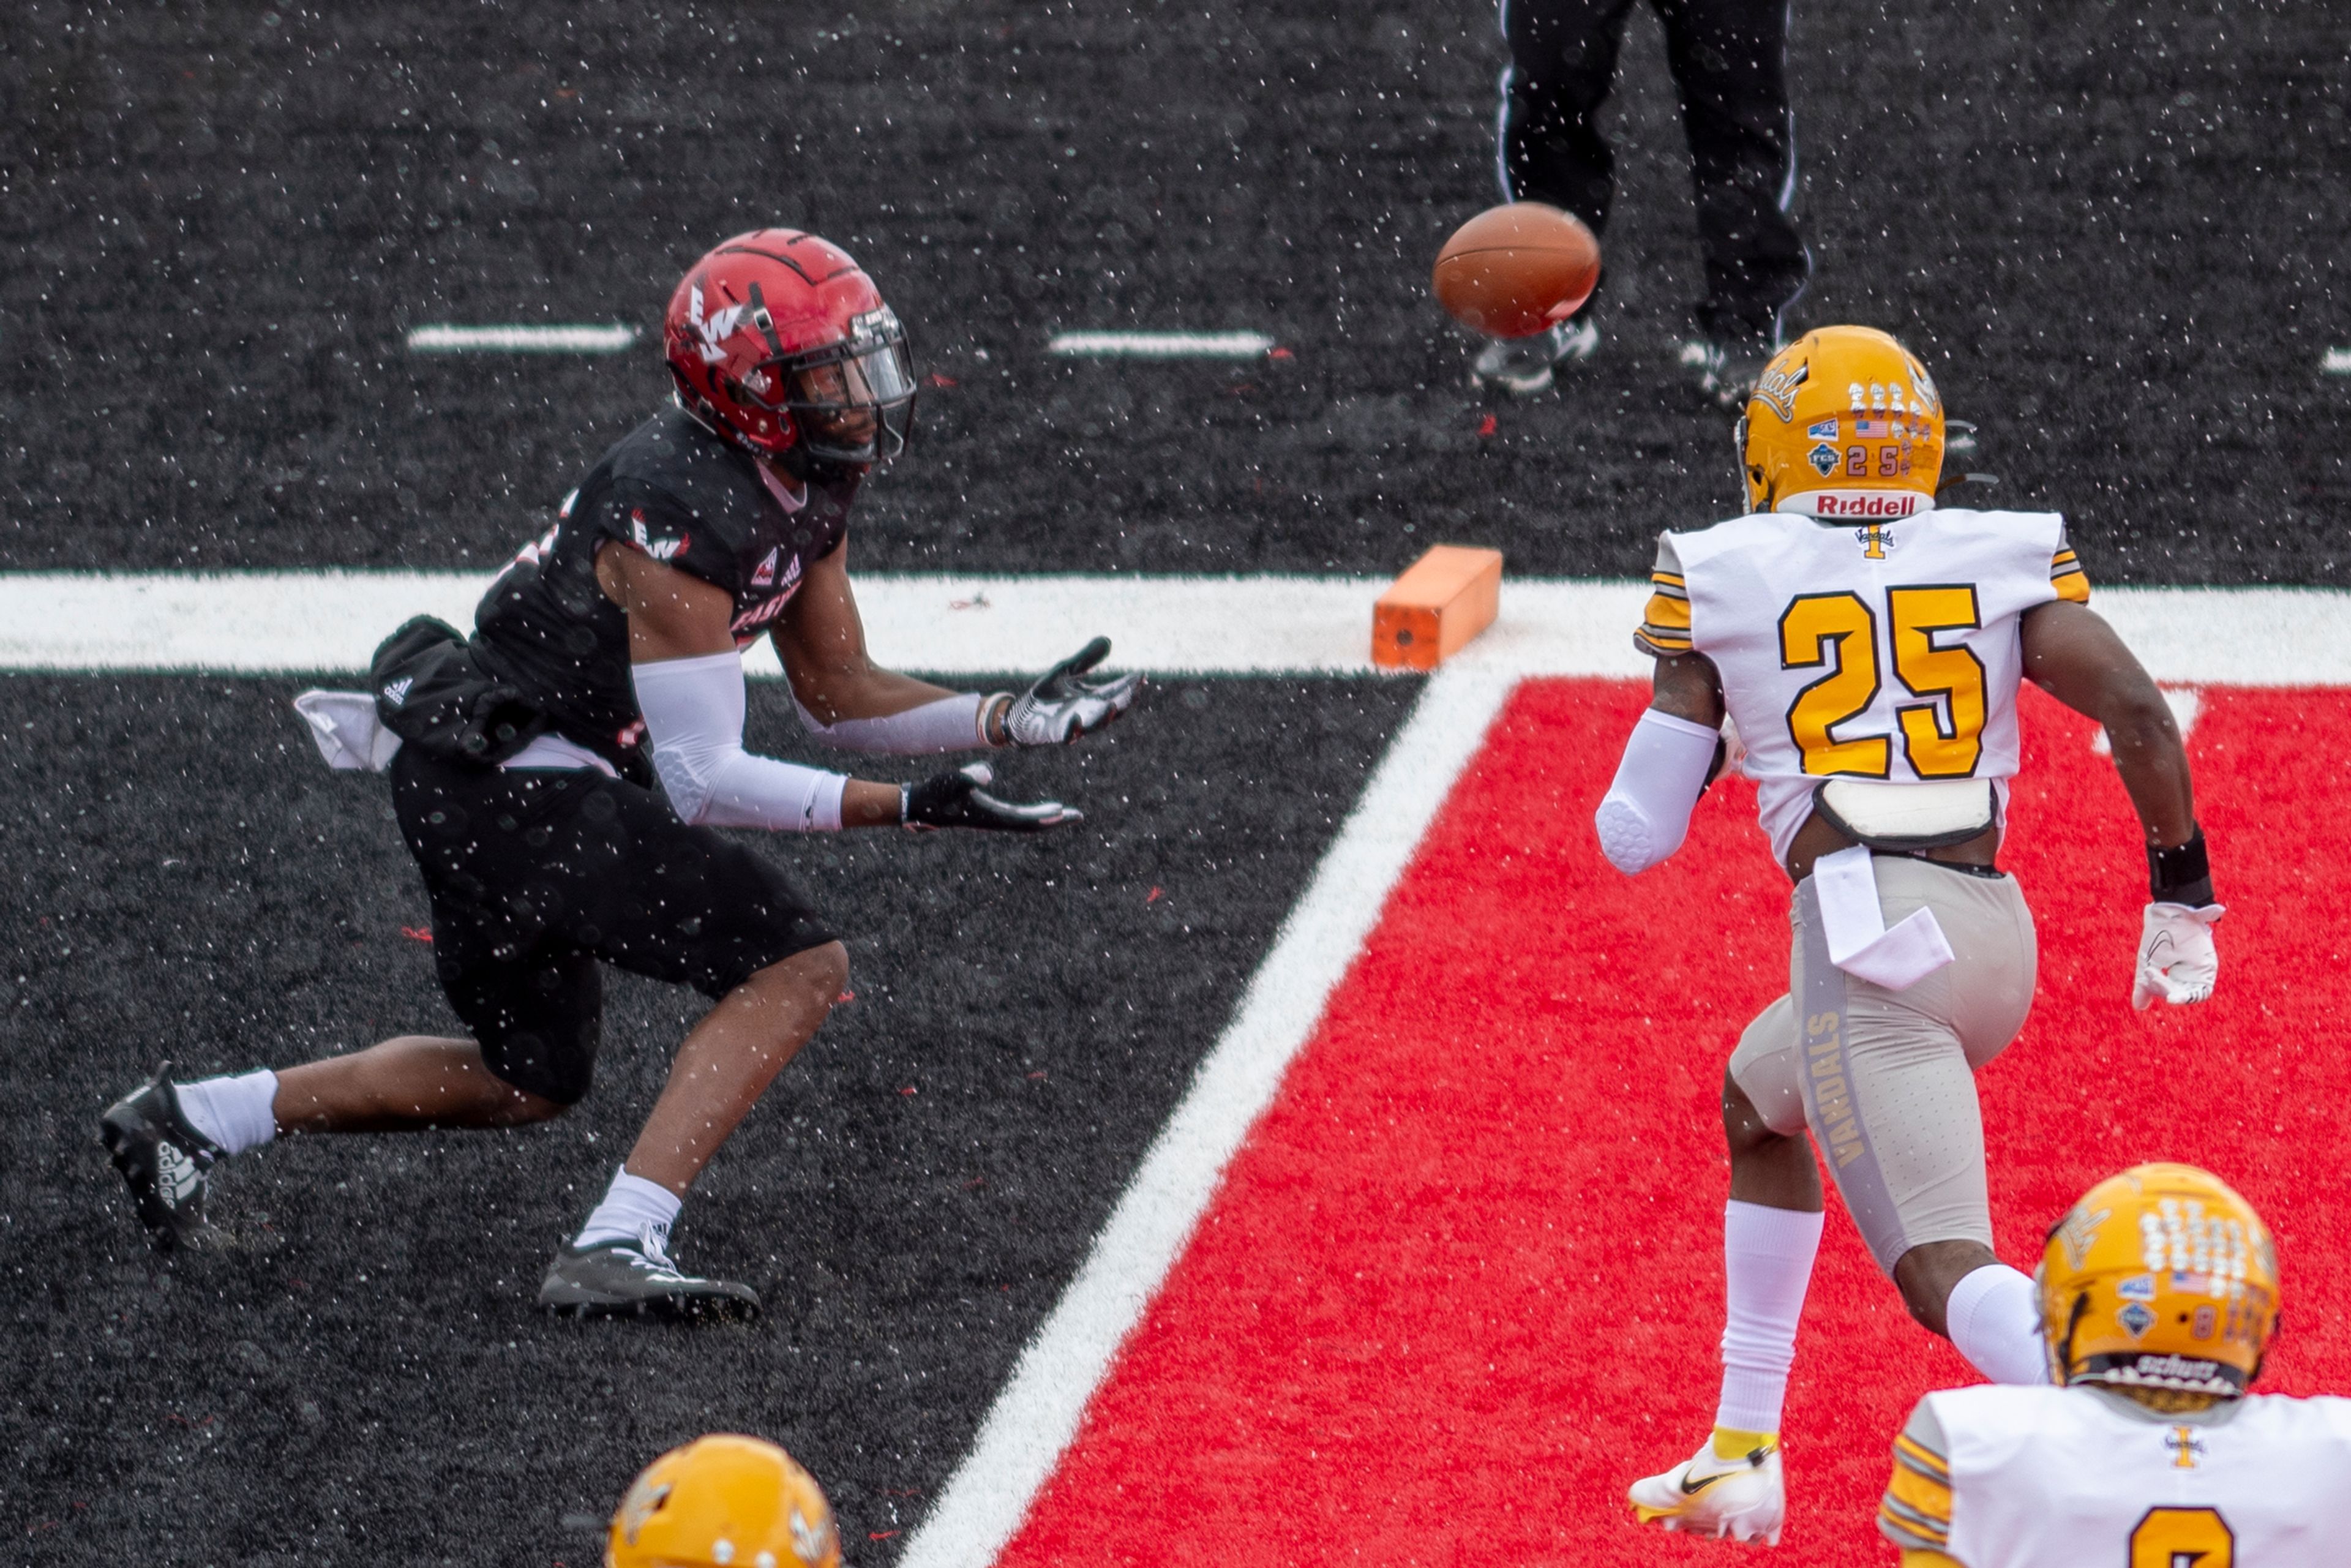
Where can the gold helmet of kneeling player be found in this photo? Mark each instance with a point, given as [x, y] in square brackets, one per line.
[1843, 423]
[2161, 1278]
[724, 1502]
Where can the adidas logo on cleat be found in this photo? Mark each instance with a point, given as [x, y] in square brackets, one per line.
[175, 1173]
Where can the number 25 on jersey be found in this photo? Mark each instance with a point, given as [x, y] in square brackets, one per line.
[1940, 739]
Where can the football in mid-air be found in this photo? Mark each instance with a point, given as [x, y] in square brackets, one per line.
[1515, 270]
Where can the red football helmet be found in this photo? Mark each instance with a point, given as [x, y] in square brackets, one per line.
[780, 341]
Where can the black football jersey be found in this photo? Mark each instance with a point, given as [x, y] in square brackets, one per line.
[688, 498]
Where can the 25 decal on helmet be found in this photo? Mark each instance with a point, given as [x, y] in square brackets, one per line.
[778, 340]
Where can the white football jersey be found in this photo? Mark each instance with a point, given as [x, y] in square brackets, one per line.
[1883, 650]
[2052, 1478]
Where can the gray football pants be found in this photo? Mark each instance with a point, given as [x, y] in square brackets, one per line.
[1885, 1079]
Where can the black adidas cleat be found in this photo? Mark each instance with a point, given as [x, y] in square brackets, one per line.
[636, 1279]
[165, 1161]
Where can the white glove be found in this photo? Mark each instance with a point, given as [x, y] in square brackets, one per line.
[1063, 704]
[2177, 960]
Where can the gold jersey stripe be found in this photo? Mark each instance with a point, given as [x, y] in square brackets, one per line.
[1922, 1459]
[2066, 574]
[1906, 1533]
[1920, 1499]
[1663, 611]
[1668, 579]
[1662, 644]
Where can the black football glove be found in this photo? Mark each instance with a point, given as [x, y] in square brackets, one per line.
[1063, 705]
[956, 801]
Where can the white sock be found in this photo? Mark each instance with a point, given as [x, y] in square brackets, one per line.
[233, 1113]
[1767, 1265]
[632, 1207]
[1996, 1322]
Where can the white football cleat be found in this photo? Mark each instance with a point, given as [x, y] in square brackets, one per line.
[1744, 1499]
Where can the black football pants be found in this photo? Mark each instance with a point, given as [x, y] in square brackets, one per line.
[1729, 60]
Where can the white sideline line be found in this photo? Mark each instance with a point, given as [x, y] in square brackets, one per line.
[329, 621]
[2337, 362]
[444, 338]
[1039, 1410]
[1160, 345]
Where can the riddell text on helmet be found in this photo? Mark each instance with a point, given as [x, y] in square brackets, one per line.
[1857, 502]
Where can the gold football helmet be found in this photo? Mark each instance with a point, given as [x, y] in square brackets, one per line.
[724, 1502]
[1845, 422]
[2161, 1278]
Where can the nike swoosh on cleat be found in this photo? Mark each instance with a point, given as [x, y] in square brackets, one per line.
[1689, 1490]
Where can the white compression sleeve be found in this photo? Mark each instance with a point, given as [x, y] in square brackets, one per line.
[1646, 812]
[694, 716]
[949, 724]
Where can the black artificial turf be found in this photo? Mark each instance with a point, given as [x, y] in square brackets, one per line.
[2116, 232]
[362, 1380]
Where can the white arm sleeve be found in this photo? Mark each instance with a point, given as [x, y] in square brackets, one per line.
[948, 724]
[694, 717]
[1646, 813]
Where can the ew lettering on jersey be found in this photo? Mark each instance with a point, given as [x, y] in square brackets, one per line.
[660, 549]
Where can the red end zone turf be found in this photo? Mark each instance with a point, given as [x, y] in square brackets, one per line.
[1463, 1282]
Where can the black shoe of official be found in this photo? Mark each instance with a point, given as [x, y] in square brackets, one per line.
[1724, 370]
[165, 1161]
[636, 1279]
[1525, 366]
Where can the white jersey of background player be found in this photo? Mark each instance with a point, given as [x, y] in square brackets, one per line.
[1868, 647]
[2158, 1296]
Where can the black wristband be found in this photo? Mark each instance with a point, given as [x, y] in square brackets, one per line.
[2181, 875]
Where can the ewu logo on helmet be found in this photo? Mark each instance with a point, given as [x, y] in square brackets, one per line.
[713, 330]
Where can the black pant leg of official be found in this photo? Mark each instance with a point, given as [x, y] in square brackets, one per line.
[1729, 60]
[1563, 63]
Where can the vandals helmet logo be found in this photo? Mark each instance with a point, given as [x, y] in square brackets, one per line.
[1777, 391]
[643, 1500]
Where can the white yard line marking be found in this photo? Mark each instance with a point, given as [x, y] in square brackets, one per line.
[329, 621]
[2337, 362]
[518, 340]
[1160, 345]
[1038, 1412]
